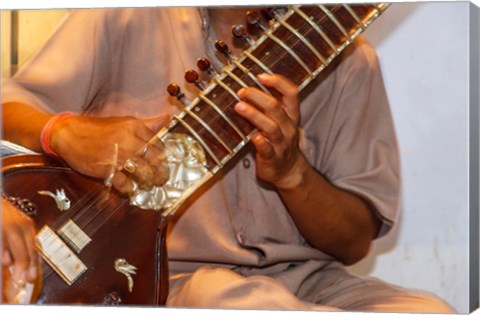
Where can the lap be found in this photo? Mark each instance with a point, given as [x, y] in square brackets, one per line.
[222, 288]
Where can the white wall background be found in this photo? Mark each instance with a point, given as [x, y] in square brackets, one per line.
[423, 50]
[424, 53]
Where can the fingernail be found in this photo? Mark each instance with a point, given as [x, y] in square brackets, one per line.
[240, 107]
[241, 91]
[258, 137]
[264, 76]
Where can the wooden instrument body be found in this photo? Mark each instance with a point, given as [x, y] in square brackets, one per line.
[121, 231]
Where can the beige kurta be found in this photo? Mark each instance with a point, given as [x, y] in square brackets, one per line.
[119, 62]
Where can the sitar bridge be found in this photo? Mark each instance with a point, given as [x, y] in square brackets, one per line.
[59, 256]
[74, 236]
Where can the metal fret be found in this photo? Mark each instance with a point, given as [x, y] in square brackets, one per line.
[337, 23]
[222, 114]
[317, 29]
[251, 76]
[355, 16]
[379, 8]
[226, 87]
[304, 40]
[209, 129]
[199, 139]
[258, 62]
[234, 77]
[289, 51]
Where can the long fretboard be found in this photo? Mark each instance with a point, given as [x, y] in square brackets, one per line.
[299, 45]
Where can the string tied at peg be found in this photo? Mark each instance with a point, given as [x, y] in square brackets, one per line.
[239, 32]
[253, 19]
[175, 91]
[274, 13]
[191, 76]
[205, 65]
[222, 47]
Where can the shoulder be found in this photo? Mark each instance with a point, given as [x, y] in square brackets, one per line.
[114, 18]
[360, 56]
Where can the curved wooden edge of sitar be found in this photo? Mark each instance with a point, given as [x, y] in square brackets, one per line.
[20, 161]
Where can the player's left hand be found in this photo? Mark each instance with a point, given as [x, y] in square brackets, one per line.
[278, 156]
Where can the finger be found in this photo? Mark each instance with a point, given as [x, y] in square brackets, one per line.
[32, 253]
[156, 123]
[261, 100]
[287, 88]
[260, 121]
[117, 159]
[262, 145]
[151, 143]
[19, 253]
[155, 149]
[148, 167]
[148, 127]
[32, 272]
[140, 171]
[6, 258]
[122, 183]
[158, 160]
[268, 105]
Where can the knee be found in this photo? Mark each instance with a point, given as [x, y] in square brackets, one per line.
[416, 303]
[433, 304]
[203, 289]
[223, 288]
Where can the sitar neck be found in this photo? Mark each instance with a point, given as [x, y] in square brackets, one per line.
[298, 45]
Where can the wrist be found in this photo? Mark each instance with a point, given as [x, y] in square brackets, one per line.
[296, 177]
[46, 134]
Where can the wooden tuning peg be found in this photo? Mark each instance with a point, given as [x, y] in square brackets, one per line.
[222, 47]
[205, 65]
[253, 19]
[191, 76]
[273, 13]
[175, 91]
[239, 32]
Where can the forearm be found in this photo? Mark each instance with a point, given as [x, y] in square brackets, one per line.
[332, 220]
[22, 124]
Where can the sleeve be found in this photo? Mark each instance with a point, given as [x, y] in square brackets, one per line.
[358, 145]
[69, 69]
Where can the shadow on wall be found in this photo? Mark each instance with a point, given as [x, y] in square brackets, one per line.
[383, 28]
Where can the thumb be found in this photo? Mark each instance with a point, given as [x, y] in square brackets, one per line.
[156, 123]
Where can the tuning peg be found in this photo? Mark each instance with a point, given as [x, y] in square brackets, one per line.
[223, 48]
[175, 91]
[204, 65]
[273, 13]
[253, 18]
[191, 76]
[239, 32]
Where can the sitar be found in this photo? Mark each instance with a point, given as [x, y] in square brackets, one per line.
[100, 247]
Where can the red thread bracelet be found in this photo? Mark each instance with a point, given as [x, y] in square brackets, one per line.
[47, 130]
